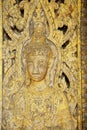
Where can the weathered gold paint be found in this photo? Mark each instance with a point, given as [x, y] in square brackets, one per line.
[54, 37]
[79, 64]
[0, 62]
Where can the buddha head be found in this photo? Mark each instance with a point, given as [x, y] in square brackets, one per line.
[37, 54]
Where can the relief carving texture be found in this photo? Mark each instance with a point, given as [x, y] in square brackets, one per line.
[40, 65]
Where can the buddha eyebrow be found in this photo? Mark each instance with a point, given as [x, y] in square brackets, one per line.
[30, 61]
[41, 60]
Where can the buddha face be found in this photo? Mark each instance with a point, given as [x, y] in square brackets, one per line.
[37, 67]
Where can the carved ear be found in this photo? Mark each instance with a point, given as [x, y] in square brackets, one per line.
[27, 79]
[53, 69]
[53, 72]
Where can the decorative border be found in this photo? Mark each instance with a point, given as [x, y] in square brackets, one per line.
[79, 67]
[84, 62]
[0, 62]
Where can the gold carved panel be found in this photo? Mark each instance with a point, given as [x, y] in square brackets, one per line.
[40, 59]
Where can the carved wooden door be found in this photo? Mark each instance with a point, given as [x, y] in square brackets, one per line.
[41, 63]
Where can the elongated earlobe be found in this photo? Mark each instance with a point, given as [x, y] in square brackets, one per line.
[27, 79]
[53, 72]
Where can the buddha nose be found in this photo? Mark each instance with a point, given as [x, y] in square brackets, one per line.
[36, 69]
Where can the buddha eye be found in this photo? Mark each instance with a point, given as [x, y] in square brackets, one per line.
[30, 62]
[41, 61]
[42, 64]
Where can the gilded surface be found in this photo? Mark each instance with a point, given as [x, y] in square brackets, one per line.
[0, 63]
[40, 65]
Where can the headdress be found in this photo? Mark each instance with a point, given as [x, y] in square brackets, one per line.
[38, 44]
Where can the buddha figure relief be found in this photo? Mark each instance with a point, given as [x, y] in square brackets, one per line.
[40, 66]
[39, 104]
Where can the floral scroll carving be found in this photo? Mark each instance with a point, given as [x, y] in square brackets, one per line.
[40, 64]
